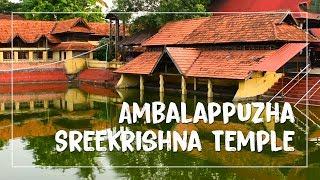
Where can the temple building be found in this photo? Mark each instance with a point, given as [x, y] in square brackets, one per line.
[40, 45]
[243, 55]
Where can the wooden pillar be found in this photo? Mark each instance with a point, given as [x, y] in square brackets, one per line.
[161, 95]
[184, 98]
[45, 55]
[141, 97]
[69, 55]
[45, 104]
[1, 56]
[161, 82]
[210, 91]
[30, 55]
[91, 55]
[56, 56]
[141, 83]
[91, 104]
[63, 104]
[31, 104]
[2, 107]
[17, 106]
[183, 85]
[70, 106]
[194, 84]
[15, 56]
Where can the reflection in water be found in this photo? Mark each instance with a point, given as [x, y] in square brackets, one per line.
[40, 111]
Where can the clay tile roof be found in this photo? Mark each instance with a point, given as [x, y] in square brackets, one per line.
[199, 62]
[71, 25]
[280, 57]
[183, 57]
[103, 29]
[226, 64]
[137, 38]
[315, 31]
[246, 28]
[142, 64]
[257, 27]
[78, 46]
[174, 32]
[28, 31]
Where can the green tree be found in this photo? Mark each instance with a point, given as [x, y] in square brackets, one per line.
[106, 52]
[7, 6]
[153, 21]
[315, 6]
[66, 6]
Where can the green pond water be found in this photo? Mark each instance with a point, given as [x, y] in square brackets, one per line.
[31, 153]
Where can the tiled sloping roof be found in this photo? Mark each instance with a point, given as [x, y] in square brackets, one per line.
[205, 63]
[277, 59]
[70, 26]
[103, 29]
[142, 64]
[28, 31]
[315, 32]
[226, 64]
[174, 32]
[137, 38]
[228, 28]
[80, 46]
[246, 28]
[184, 57]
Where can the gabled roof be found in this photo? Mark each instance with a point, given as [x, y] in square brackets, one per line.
[183, 57]
[143, 64]
[137, 38]
[27, 31]
[253, 27]
[200, 62]
[30, 31]
[71, 25]
[220, 64]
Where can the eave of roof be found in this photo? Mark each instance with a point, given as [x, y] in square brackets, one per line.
[77, 46]
[198, 62]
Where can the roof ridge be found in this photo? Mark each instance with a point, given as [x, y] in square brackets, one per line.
[274, 25]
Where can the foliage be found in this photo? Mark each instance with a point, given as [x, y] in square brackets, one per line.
[315, 6]
[66, 6]
[101, 54]
[7, 6]
[2, 143]
[153, 21]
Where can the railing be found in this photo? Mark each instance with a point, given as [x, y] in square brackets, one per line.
[291, 82]
[308, 93]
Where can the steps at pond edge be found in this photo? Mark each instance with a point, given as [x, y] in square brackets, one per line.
[296, 90]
